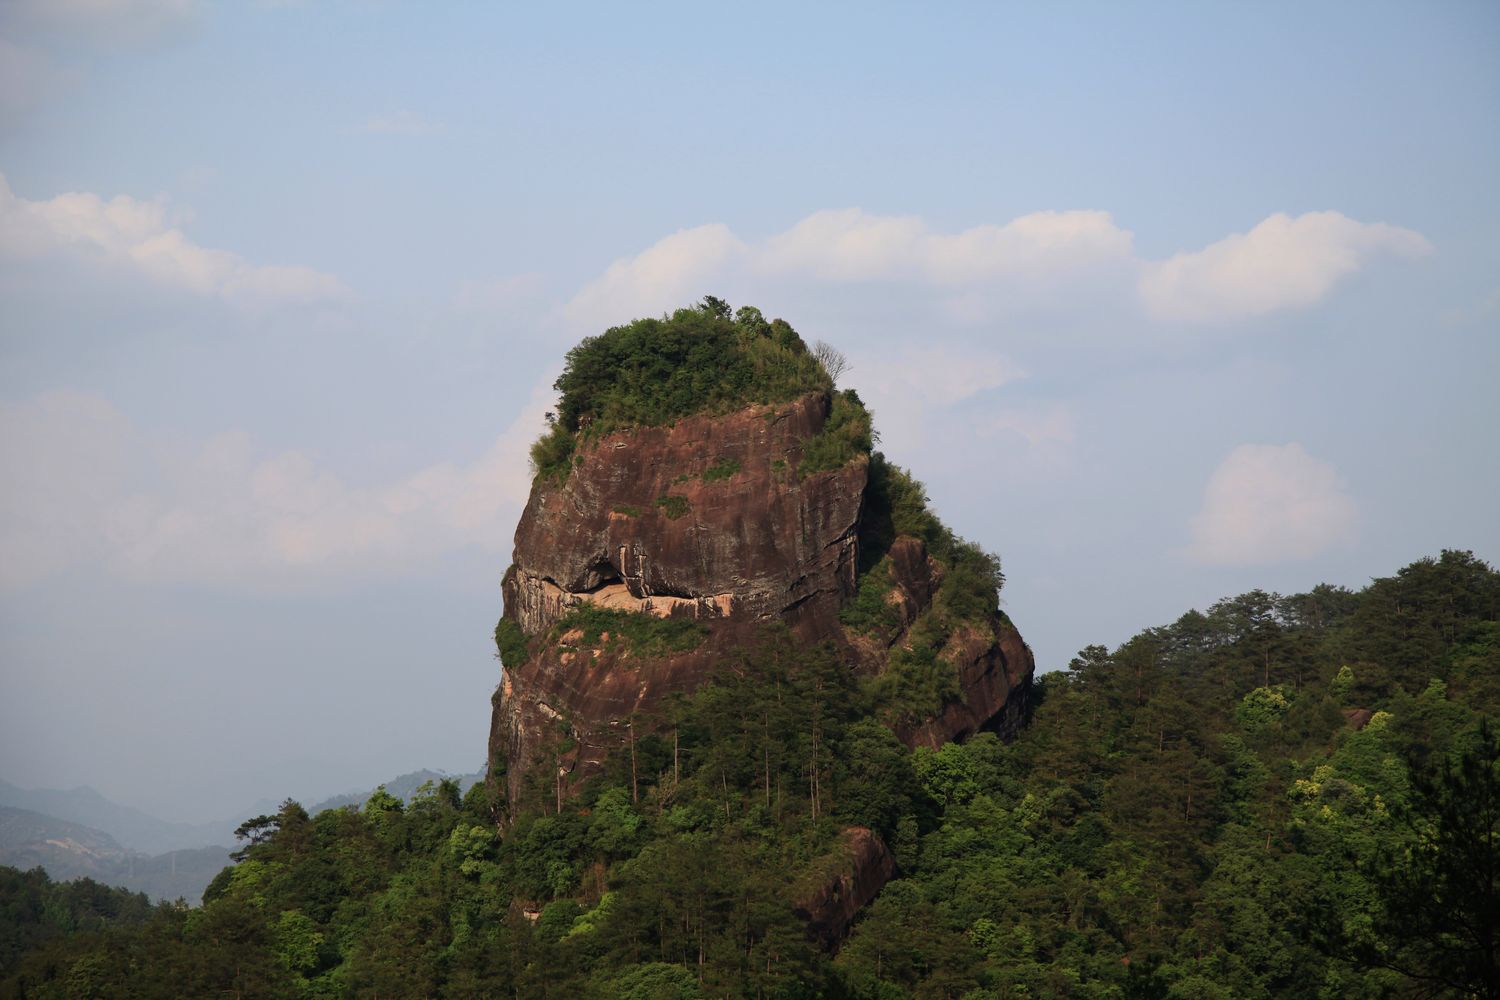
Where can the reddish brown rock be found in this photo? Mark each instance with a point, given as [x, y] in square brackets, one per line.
[916, 577]
[636, 525]
[994, 675]
[993, 664]
[707, 518]
[846, 882]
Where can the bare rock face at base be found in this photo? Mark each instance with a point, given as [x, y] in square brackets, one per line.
[710, 519]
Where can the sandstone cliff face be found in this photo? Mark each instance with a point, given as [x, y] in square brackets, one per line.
[711, 519]
[707, 519]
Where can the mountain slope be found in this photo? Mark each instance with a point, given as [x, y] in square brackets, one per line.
[132, 827]
[1277, 796]
[69, 851]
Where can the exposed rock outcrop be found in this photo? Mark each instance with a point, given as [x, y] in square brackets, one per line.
[994, 673]
[859, 868]
[706, 517]
[710, 518]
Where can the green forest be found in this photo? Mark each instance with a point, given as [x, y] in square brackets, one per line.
[1279, 796]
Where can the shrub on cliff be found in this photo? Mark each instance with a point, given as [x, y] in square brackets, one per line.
[653, 371]
[551, 453]
[643, 634]
[510, 640]
[846, 434]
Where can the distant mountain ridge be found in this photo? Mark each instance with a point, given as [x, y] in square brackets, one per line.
[403, 787]
[132, 828]
[68, 850]
[78, 833]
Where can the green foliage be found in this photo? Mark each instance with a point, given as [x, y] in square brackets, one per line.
[869, 610]
[35, 910]
[297, 943]
[656, 981]
[654, 371]
[847, 434]
[674, 505]
[627, 509]
[917, 680]
[510, 642]
[552, 453]
[643, 634]
[614, 825]
[1431, 906]
[723, 469]
[1263, 708]
[1187, 815]
[896, 504]
[1343, 683]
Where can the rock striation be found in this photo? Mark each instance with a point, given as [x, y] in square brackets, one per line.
[711, 519]
[705, 518]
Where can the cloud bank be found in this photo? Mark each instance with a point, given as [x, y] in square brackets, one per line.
[85, 486]
[136, 236]
[1268, 504]
[1282, 263]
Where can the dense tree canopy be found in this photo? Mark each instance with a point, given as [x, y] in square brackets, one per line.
[1282, 796]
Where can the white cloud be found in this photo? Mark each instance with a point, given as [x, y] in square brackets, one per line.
[398, 123]
[83, 486]
[935, 374]
[1283, 263]
[671, 273]
[1271, 503]
[136, 235]
[914, 391]
[852, 245]
[1058, 261]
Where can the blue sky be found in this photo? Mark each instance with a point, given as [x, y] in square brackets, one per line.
[1162, 301]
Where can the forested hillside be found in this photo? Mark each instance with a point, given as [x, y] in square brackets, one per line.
[1278, 796]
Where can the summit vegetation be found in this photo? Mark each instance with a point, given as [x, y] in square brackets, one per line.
[1278, 796]
[707, 357]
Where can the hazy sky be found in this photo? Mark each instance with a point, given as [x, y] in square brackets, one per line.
[1163, 302]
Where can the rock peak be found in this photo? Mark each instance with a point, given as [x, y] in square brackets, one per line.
[649, 552]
